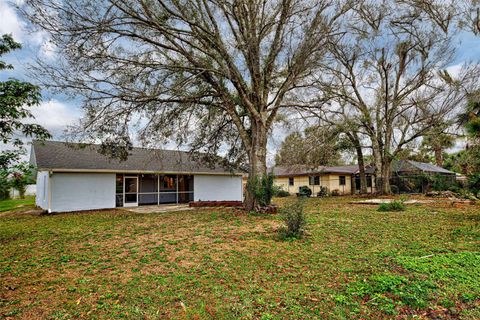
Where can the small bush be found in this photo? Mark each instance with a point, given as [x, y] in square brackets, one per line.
[281, 193]
[465, 194]
[305, 191]
[395, 205]
[262, 188]
[294, 218]
[323, 192]
[394, 189]
[4, 190]
[474, 183]
[335, 192]
[440, 183]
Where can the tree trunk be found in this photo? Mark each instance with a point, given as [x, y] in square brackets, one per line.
[386, 173]
[438, 156]
[257, 157]
[361, 169]
[378, 169]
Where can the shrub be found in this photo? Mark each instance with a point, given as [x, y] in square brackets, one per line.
[335, 192]
[19, 176]
[466, 194]
[323, 192]
[294, 218]
[441, 183]
[305, 191]
[394, 189]
[4, 188]
[263, 189]
[474, 183]
[281, 193]
[395, 205]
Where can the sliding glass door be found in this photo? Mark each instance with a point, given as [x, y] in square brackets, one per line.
[131, 191]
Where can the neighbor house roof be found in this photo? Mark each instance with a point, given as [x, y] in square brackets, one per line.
[301, 170]
[75, 157]
[413, 166]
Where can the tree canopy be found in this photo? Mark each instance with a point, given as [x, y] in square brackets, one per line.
[16, 100]
[315, 146]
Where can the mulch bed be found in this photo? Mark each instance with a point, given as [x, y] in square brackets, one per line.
[199, 204]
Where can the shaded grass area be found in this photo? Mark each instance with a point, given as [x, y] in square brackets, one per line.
[17, 204]
[221, 263]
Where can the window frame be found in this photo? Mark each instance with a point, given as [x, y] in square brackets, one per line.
[291, 181]
[314, 180]
[340, 178]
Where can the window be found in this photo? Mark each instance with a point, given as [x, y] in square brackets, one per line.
[168, 183]
[290, 181]
[342, 180]
[314, 180]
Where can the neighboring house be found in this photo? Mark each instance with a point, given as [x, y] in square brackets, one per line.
[72, 177]
[346, 179]
[342, 179]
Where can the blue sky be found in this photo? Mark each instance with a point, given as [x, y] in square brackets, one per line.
[56, 112]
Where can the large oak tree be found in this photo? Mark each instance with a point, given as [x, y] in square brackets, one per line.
[389, 73]
[210, 73]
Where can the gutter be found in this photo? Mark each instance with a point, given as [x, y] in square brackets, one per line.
[138, 171]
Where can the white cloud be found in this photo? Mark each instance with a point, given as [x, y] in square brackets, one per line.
[454, 70]
[10, 22]
[55, 116]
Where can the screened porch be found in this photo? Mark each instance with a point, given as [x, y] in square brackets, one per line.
[150, 189]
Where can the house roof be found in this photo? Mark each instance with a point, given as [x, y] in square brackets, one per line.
[397, 166]
[75, 157]
[410, 165]
[299, 170]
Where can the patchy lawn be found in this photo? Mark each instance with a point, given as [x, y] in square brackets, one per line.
[221, 263]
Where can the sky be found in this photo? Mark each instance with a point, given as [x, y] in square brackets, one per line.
[54, 112]
[57, 112]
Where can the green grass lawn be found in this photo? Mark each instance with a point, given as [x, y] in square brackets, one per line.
[355, 263]
[17, 204]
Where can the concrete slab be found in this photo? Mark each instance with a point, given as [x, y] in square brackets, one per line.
[159, 208]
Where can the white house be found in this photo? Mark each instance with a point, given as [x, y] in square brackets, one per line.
[73, 177]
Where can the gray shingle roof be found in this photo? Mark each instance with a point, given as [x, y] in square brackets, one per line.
[411, 166]
[297, 170]
[56, 155]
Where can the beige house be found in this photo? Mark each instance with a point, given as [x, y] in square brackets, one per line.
[340, 179]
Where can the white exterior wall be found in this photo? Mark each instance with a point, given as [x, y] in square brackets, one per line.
[217, 188]
[43, 184]
[82, 191]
